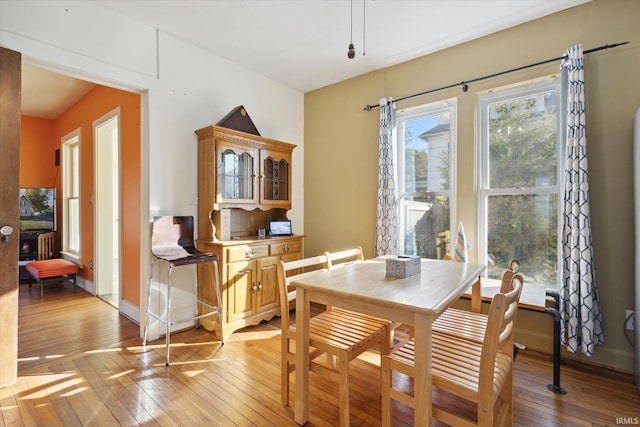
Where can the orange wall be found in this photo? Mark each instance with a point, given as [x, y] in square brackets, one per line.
[37, 159]
[37, 153]
[98, 102]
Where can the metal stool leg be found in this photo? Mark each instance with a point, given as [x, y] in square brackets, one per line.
[219, 295]
[146, 320]
[217, 309]
[168, 321]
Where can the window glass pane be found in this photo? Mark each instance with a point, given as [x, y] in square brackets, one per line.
[426, 153]
[75, 171]
[524, 227]
[427, 223]
[74, 225]
[523, 141]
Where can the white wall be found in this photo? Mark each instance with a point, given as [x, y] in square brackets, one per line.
[183, 88]
[188, 88]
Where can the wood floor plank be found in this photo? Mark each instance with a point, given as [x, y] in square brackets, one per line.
[83, 364]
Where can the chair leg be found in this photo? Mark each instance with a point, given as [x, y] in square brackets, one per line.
[344, 391]
[284, 371]
[73, 277]
[506, 398]
[485, 411]
[386, 375]
[41, 288]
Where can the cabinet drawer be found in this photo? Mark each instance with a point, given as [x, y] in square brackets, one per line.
[285, 247]
[241, 253]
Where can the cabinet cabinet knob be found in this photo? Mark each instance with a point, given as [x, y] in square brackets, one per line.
[249, 253]
[286, 248]
[254, 288]
[259, 286]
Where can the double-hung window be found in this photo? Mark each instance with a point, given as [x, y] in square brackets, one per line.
[519, 184]
[426, 178]
[71, 195]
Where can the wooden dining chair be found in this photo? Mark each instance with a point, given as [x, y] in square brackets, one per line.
[344, 257]
[339, 334]
[468, 324]
[45, 246]
[480, 373]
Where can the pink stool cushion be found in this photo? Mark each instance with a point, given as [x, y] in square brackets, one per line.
[51, 268]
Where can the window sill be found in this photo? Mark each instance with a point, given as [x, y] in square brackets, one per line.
[532, 298]
[73, 258]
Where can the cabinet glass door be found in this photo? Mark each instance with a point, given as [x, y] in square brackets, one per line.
[276, 179]
[237, 175]
[276, 176]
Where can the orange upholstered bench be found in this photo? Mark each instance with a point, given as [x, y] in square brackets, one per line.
[55, 268]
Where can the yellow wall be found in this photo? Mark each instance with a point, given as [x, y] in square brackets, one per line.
[341, 143]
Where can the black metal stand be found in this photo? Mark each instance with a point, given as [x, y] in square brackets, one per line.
[555, 312]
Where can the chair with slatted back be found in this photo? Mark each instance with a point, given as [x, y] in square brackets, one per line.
[172, 243]
[480, 373]
[468, 324]
[336, 333]
[45, 245]
[344, 257]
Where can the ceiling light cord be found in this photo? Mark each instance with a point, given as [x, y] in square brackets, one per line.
[351, 52]
[364, 23]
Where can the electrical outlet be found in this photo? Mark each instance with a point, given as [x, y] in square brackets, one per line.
[630, 322]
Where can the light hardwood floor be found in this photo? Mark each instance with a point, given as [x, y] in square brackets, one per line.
[80, 363]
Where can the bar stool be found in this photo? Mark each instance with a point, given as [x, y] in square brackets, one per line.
[172, 242]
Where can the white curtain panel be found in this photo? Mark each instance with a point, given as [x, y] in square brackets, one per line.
[387, 214]
[581, 320]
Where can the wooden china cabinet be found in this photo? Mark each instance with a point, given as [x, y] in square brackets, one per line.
[244, 182]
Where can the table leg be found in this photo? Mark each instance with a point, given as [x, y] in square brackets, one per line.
[476, 297]
[423, 370]
[303, 309]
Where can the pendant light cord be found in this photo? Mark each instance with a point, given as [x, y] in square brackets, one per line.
[364, 24]
[351, 22]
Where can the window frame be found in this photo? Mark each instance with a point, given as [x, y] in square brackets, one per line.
[403, 115]
[71, 183]
[512, 92]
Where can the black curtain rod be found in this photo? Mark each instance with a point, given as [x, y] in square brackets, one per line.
[465, 83]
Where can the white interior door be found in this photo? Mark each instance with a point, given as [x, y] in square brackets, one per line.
[107, 207]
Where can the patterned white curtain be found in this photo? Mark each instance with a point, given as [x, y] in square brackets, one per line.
[386, 215]
[581, 321]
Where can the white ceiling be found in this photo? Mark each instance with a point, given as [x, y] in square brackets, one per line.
[46, 94]
[303, 43]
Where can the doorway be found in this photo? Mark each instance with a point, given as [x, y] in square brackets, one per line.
[107, 267]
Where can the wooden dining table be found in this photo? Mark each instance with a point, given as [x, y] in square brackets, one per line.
[364, 287]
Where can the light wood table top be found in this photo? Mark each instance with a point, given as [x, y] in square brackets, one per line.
[364, 287]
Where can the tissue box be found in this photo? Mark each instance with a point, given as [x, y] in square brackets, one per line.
[403, 266]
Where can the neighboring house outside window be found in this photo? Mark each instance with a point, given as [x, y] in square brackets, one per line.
[426, 177]
[519, 180]
[71, 196]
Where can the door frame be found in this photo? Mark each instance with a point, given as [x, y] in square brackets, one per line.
[126, 308]
[10, 88]
[98, 255]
